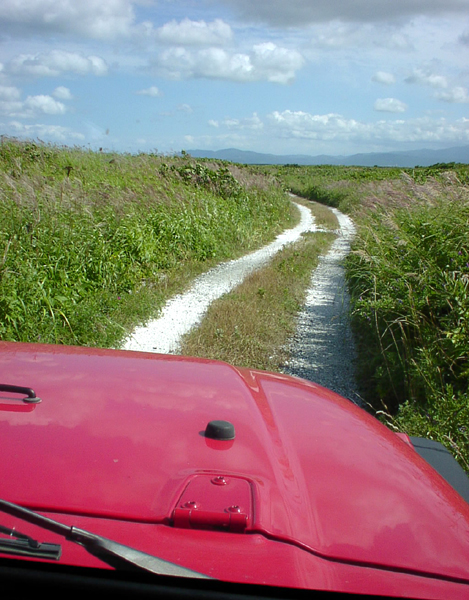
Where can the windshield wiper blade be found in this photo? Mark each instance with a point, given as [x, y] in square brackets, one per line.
[112, 553]
[22, 545]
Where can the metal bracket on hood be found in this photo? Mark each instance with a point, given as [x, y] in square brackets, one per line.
[214, 502]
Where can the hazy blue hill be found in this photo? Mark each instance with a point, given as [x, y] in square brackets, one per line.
[412, 158]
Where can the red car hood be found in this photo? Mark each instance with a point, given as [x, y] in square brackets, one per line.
[120, 435]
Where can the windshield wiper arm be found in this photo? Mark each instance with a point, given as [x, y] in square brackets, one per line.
[112, 553]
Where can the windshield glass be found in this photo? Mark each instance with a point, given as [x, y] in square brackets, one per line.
[233, 265]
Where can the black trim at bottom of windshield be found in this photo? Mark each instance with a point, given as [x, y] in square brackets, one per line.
[22, 577]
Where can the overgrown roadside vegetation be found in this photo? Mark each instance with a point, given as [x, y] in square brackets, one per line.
[408, 276]
[250, 326]
[92, 243]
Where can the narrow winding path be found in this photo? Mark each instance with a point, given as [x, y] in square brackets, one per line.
[185, 311]
[323, 348]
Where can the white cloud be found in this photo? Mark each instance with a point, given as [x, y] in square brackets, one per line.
[34, 105]
[303, 125]
[276, 64]
[253, 123]
[396, 41]
[9, 93]
[337, 35]
[45, 132]
[195, 33]
[457, 95]
[52, 64]
[425, 77]
[10, 100]
[390, 105]
[298, 13]
[266, 62]
[185, 108]
[216, 63]
[152, 91]
[384, 77]
[103, 19]
[12, 105]
[299, 125]
[98, 65]
[62, 93]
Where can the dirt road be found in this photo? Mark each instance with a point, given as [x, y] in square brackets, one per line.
[322, 350]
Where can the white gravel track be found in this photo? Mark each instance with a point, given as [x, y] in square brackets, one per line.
[323, 348]
[185, 311]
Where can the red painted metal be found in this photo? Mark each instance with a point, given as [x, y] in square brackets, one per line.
[328, 497]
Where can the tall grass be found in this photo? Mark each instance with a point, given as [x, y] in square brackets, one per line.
[409, 279]
[89, 241]
[347, 188]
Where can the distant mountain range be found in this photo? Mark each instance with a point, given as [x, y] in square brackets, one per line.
[412, 158]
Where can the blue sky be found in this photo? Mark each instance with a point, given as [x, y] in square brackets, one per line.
[281, 76]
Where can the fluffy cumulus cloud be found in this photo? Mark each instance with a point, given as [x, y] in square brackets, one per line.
[10, 100]
[56, 62]
[253, 123]
[384, 77]
[152, 91]
[195, 33]
[12, 106]
[266, 62]
[299, 125]
[303, 125]
[426, 77]
[42, 104]
[106, 19]
[389, 105]
[304, 12]
[62, 93]
[456, 95]
[9, 93]
[54, 132]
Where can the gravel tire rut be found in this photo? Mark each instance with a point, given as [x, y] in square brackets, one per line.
[323, 348]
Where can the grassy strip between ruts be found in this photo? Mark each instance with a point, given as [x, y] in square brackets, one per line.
[251, 326]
